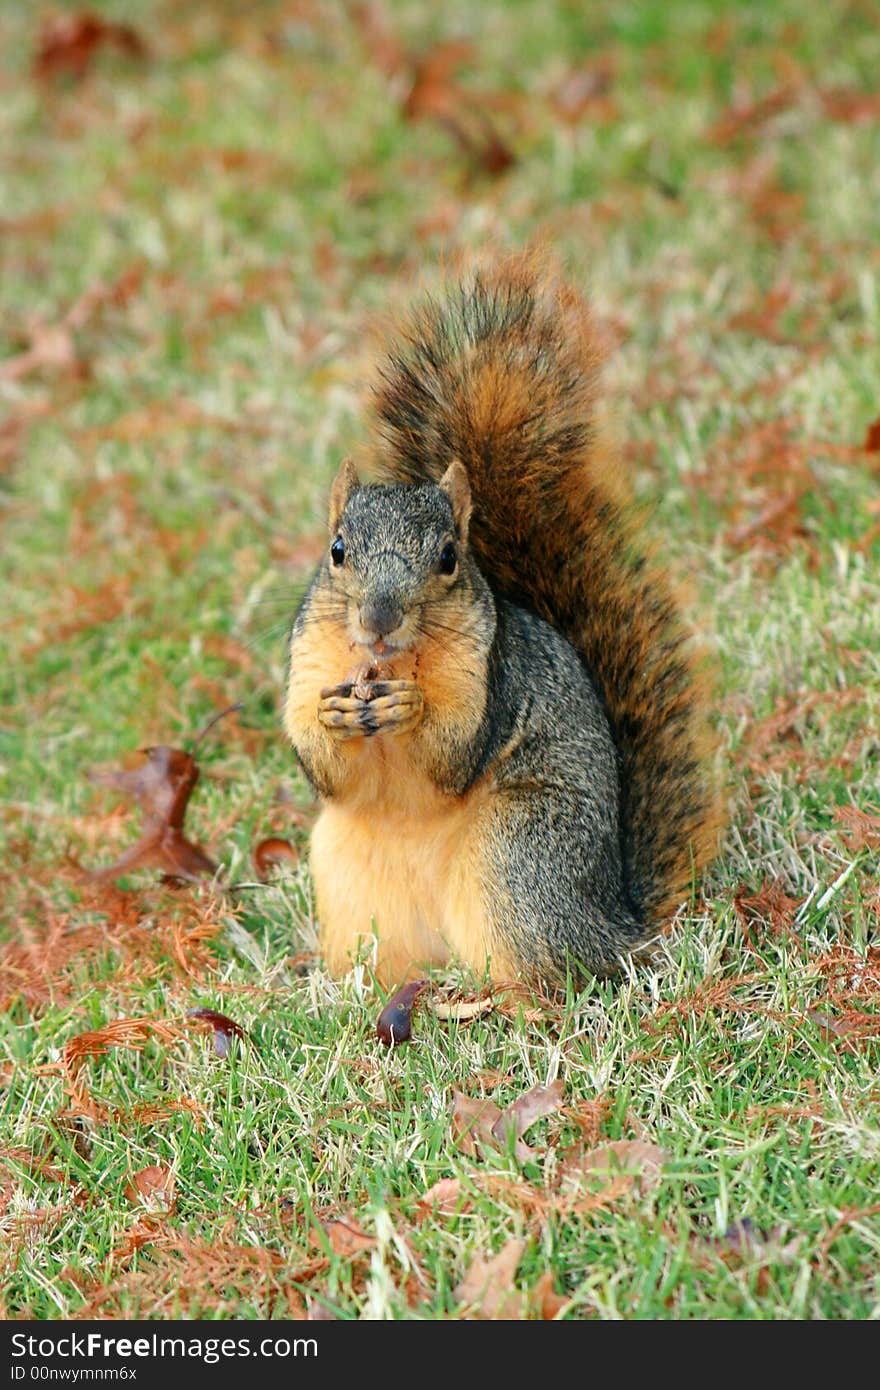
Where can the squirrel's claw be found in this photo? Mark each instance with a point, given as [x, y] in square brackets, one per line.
[392, 707]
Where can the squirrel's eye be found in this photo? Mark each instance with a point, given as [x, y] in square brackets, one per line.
[337, 551]
[448, 559]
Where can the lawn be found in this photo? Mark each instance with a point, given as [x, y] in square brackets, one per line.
[201, 217]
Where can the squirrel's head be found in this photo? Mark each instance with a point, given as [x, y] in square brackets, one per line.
[398, 555]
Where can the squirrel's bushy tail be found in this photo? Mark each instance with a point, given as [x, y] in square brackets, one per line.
[501, 373]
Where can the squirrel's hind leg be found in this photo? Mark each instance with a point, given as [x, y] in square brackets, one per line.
[557, 902]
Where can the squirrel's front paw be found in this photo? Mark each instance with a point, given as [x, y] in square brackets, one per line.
[384, 707]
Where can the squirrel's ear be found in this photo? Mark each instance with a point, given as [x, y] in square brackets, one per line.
[344, 484]
[457, 488]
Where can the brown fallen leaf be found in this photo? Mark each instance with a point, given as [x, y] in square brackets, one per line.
[446, 1197]
[162, 787]
[852, 105]
[224, 1028]
[433, 84]
[394, 1024]
[629, 1162]
[487, 1289]
[435, 94]
[473, 1123]
[476, 133]
[154, 1187]
[584, 91]
[68, 44]
[344, 1236]
[479, 1123]
[380, 41]
[545, 1300]
[517, 1118]
[320, 1310]
[52, 345]
[149, 1229]
[271, 852]
[872, 437]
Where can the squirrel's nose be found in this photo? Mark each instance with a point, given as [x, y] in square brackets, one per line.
[381, 614]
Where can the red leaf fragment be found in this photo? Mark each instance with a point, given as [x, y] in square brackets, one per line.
[162, 787]
[394, 1024]
[546, 1300]
[270, 852]
[435, 94]
[872, 437]
[68, 43]
[224, 1028]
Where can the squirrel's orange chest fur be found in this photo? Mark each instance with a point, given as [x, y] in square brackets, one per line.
[394, 860]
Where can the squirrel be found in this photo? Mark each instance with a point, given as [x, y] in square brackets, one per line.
[490, 685]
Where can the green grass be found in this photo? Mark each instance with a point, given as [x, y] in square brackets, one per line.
[257, 183]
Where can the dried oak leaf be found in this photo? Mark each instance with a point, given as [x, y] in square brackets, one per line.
[154, 1187]
[344, 1236]
[162, 787]
[446, 1197]
[517, 1118]
[545, 1300]
[487, 1289]
[224, 1028]
[479, 1123]
[271, 852]
[68, 43]
[625, 1164]
[394, 1024]
[473, 1122]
